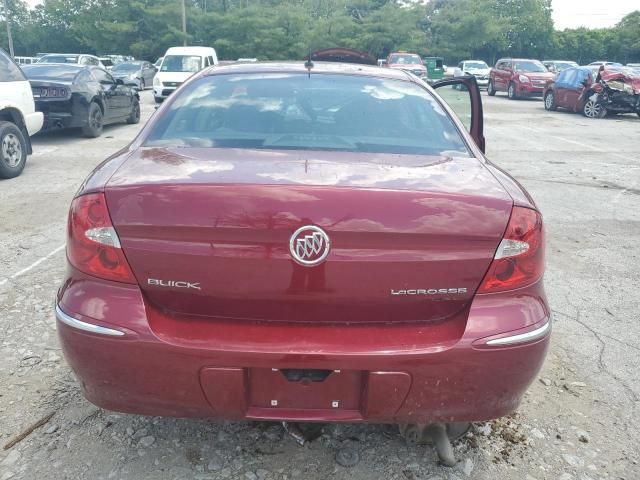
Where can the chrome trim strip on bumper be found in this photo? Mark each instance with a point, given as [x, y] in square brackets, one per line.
[523, 337]
[87, 327]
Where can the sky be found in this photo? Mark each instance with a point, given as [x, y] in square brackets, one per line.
[591, 13]
[574, 13]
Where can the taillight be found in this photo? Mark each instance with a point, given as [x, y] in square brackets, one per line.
[519, 259]
[93, 246]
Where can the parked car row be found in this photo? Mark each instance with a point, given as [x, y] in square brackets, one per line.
[608, 90]
[596, 90]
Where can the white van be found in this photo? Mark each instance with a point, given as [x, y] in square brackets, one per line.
[178, 64]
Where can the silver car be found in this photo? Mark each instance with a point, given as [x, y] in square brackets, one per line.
[138, 74]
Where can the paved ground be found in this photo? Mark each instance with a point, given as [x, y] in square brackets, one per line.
[577, 421]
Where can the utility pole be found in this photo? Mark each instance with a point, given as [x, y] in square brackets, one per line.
[184, 23]
[6, 19]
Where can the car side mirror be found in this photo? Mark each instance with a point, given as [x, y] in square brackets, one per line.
[119, 81]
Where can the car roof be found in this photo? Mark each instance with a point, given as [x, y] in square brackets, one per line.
[519, 59]
[69, 67]
[189, 50]
[62, 71]
[70, 54]
[298, 67]
[580, 67]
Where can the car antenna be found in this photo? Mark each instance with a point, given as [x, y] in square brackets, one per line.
[308, 64]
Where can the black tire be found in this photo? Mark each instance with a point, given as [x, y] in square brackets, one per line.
[550, 101]
[13, 150]
[134, 117]
[490, 90]
[95, 121]
[511, 91]
[592, 109]
[158, 99]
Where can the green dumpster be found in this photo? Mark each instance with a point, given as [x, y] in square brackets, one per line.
[435, 68]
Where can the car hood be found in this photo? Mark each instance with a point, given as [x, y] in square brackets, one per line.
[174, 76]
[538, 75]
[477, 71]
[627, 76]
[124, 74]
[404, 66]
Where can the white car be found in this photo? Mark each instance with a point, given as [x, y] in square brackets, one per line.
[178, 64]
[18, 118]
[477, 68]
[74, 58]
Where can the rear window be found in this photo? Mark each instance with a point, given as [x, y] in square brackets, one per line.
[317, 112]
[59, 59]
[55, 72]
[406, 59]
[9, 71]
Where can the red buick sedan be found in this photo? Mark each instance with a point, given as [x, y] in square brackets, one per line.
[309, 243]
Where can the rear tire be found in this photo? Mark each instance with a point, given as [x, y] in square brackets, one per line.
[134, 117]
[550, 101]
[593, 109]
[158, 99]
[490, 90]
[511, 92]
[13, 150]
[95, 119]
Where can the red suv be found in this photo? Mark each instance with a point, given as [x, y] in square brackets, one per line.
[518, 77]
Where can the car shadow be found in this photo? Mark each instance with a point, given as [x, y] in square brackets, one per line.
[63, 135]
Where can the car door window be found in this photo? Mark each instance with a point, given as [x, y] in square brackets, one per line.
[463, 96]
[561, 81]
[570, 78]
[9, 71]
[581, 77]
[103, 77]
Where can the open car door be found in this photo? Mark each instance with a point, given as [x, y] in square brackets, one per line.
[462, 94]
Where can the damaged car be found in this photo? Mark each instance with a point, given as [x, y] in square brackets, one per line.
[610, 91]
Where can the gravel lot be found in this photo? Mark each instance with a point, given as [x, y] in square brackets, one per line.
[575, 423]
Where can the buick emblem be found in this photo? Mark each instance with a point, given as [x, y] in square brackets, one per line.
[309, 245]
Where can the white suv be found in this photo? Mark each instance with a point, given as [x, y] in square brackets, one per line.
[18, 118]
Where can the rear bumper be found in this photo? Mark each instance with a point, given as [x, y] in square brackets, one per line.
[62, 114]
[146, 362]
[33, 122]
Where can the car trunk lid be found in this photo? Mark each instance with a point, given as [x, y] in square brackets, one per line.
[207, 232]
